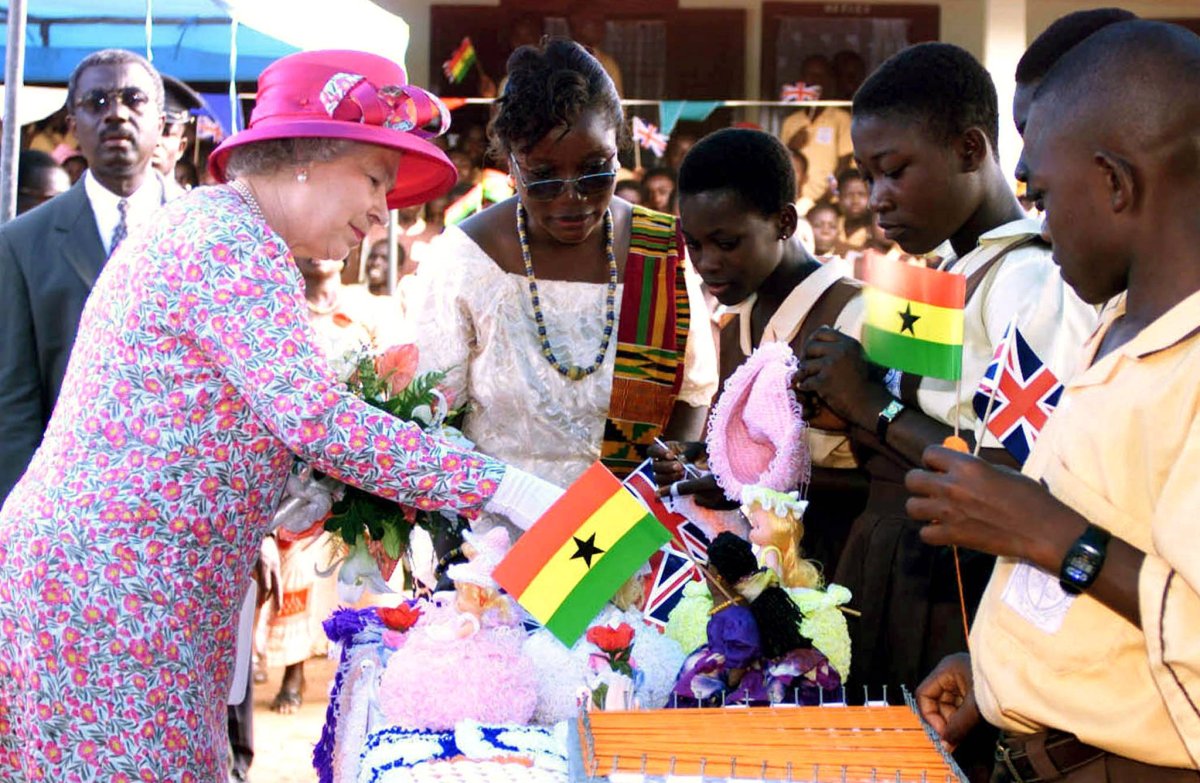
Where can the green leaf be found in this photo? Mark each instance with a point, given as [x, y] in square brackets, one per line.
[393, 542]
[599, 694]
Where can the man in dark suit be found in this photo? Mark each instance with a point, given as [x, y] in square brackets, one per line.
[51, 256]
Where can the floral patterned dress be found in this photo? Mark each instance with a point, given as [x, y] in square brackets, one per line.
[125, 548]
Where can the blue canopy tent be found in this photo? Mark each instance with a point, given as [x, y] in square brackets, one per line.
[190, 39]
[193, 40]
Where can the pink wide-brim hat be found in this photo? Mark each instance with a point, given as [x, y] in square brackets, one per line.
[757, 434]
[341, 94]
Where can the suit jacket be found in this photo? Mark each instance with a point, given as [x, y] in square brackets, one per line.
[50, 258]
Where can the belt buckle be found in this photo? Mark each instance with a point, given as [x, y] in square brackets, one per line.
[1004, 756]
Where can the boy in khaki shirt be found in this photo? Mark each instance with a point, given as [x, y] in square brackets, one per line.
[1085, 649]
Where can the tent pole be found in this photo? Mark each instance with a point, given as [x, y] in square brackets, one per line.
[149, 31]
[393, 239]
[14, 79]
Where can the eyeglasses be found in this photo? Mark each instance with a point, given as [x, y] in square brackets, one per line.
[99, 101]
[549, 189]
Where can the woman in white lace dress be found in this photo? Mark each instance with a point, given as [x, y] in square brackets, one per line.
[564, 314]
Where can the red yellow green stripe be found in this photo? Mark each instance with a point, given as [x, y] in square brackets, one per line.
[921, 357]
[915, 283]
[555, 528]
[564, 568]
[460, 62]
[925, 321]
[605, 577]
[914, 318]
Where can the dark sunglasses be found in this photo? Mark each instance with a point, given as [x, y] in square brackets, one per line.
[550, 189]
[99, 101]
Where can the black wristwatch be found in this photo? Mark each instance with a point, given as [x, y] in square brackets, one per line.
[1084, 560]
[886, 417]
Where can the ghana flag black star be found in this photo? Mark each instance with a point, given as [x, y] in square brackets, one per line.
[908, 320]
[586, 550]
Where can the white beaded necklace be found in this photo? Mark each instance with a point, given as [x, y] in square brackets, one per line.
[243, 190]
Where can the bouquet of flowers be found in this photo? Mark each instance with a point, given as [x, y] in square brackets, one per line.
[614, 671]
[375, 530]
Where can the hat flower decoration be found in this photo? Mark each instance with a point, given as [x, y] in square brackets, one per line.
[353, 96]
[757, 434]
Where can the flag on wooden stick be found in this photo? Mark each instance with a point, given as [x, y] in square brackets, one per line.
[460, 62]
[649, 137]
[1017, 394]
[566, 567]
[914, 318]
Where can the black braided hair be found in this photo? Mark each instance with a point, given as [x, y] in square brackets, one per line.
[777, 616]
[548, 87]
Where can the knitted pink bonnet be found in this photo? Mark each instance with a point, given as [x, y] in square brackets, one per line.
[757, 434]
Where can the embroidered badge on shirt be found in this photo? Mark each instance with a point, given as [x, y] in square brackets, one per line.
[1037, 597]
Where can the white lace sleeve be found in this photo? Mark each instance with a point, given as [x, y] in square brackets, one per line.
[445, 327]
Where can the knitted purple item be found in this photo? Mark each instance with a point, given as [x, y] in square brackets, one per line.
[341, 628]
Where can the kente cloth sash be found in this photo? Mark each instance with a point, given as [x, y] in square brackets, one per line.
[651, 339]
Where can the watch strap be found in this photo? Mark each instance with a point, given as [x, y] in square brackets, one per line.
[1084, 560]
[886, 417]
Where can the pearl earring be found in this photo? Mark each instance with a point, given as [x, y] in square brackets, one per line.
[302, 176]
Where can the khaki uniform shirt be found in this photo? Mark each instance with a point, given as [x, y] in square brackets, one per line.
[1123, 450]
[828, 141]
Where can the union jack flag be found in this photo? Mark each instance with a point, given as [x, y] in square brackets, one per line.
[799, 91]
[673, 566]
[1027, 394]
[649, 137]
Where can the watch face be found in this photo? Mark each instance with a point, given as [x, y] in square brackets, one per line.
[1081, 564]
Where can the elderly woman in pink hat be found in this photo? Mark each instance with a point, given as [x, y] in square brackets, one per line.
[195, 384]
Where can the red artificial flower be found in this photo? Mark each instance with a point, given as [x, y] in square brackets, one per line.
[609, 639]
[398, 366]
[400, 618]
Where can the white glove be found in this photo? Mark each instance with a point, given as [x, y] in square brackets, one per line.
[522, 497]
[306, 501]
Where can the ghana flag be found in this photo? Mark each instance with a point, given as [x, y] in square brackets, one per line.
[460, 62]
[565, 567]
[914, 318]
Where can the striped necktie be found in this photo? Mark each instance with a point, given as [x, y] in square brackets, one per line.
[122, 229]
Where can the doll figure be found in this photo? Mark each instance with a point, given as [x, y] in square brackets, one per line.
[755, 651]
[465, 661]
[776, 527]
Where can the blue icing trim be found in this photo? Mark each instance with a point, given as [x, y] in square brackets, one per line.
[410, 748]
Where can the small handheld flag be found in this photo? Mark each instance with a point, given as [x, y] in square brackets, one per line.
[460, 62]
[673, 566]
[1022, 400]
[649, 137]
[914, 318]
[576, 557]
[465, 206]
[799, 91]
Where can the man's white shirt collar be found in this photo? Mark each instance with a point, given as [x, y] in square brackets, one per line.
[142, 204]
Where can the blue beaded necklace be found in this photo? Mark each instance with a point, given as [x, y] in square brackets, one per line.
[572, 371]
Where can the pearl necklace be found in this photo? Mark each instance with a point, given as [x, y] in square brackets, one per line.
[247, 195]
[572, 371]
